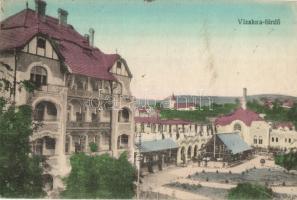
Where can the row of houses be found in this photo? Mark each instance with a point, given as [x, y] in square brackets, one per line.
[229, 138]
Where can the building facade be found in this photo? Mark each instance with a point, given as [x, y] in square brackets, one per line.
[189, 138]
[256, 131]
[82, 95]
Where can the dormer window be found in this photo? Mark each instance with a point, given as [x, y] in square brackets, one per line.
[41, 43]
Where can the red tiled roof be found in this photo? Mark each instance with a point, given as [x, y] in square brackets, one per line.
[156, 120]
[246, 116]
[19, 29]
[288, 103]
[283, 125]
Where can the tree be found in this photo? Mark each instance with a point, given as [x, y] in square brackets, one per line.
[100, 177]
[20, 173]
[292, 114]
[250, 191]
[288, 161]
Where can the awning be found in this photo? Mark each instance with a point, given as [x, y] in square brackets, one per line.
[234, 142]
[158, 145]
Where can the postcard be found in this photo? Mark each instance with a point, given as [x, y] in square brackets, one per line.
[148, 99]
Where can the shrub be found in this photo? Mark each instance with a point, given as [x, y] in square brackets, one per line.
[93, 147]
[288, 161]
[100, 177]
[250, 191]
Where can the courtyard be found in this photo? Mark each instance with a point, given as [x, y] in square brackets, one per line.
[193, 182]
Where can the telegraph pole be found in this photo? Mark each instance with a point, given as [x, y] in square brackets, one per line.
[139, 163]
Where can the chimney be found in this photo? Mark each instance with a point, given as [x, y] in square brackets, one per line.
[244, 99]
[40, 7]
[62, 16]
[92, 32]
[87, 37]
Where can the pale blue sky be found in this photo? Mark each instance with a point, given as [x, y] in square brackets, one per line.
[186, 46]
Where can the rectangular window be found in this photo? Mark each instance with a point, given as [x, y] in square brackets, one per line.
[289, 140]
[276, 139]
[255, 140]
[260, 141]
[50, 143]
[272, 139]
[142, 128]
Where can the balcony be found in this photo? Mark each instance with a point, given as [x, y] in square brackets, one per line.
[88, 125]
[81, 93]
[53, 90]
[124, 126]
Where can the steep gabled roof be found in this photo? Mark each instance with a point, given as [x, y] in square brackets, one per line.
[244, 115]
[17, 30]
[234, 142]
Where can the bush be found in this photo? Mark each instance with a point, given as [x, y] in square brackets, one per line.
[100, 177]
[250, 191]
[185, 186]
[288, 161]
[93, 147]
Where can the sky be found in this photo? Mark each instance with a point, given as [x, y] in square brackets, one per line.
[189, 46]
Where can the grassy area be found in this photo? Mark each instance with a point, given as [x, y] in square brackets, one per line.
[250, 191]
[199, 115]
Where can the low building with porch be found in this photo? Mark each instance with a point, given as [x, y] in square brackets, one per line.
[157, 154]
[226, 148]
[189, 136]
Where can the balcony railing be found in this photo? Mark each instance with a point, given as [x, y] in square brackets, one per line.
[124, 126]
[45, 89]
[80, 93]
[52, 126]
[87, 125]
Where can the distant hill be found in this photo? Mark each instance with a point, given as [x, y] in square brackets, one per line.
[216, 99]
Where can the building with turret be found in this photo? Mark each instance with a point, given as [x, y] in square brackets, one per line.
[82, 95]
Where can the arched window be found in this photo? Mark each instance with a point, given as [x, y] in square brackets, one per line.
[124, 115]
[38, 76]
[189, 151]
[41, 43]
[45, 111]
[237, 127]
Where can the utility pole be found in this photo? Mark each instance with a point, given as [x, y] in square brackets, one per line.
[139, 163]
[214, 146]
